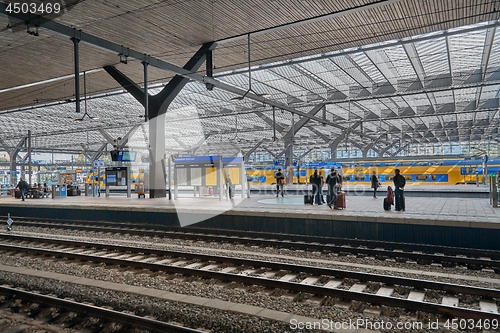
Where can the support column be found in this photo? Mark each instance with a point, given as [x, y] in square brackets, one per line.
[77, 72]
[288, 159]
[157, 184]
[29, 158]
[13, 167]
[146, 93]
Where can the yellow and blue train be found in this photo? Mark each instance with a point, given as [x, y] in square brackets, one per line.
[439, 171]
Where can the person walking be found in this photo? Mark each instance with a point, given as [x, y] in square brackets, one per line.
[280, 181]
[399, 184]
[375, 184]
[332, 181]
[23, 187]
[315, 181]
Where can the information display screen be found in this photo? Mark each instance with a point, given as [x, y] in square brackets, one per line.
[123, 156]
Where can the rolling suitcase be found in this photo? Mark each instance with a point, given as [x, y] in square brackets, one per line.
[308, 199]
[387, 205]
[340, 200]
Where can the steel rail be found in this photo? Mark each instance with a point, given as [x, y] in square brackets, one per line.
[270, 283]
[342, 245]
[98, 312]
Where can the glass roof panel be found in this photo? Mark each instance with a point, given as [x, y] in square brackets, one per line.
[346, 64]
[366, 66]
[433, 56]
[400, 61]
[466, 51]
[327, 71]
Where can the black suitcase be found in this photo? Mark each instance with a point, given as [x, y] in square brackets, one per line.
[387, 206]
[308, 199]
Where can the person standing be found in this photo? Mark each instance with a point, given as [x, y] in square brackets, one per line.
[332, 181]
[389, 199]
[321, 184]
[23, 187]
[280, 181]
[399, 184]
[375, 184]
[315, 181]
[498, 185]
[229, 187]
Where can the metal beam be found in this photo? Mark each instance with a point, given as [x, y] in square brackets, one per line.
[124, 140]
[181, 143]
[319, 18]
[130, 86]
[200, 143]
[108, 137]
[303, 121]
[276, 156]
[270, 122]
[254, 148]
[98, 153]
[158, 63]
[378, 46]
[488, 43]
[158, 104]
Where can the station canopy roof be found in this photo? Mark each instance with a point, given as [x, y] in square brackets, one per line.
[374, 74]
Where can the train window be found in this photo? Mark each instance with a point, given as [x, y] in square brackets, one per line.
[359, 178]
[421, 177]
[346, 178]
[408, 177]
[433, 177]
[389, 178]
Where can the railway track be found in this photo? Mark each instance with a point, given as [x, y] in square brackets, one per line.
[474, 259]
[325, 283]
[54, 314]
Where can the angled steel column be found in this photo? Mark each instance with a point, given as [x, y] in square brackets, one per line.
[156, 107]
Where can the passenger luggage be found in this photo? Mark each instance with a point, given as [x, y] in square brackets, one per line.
[308, 199]
[17, 193]
[387, 206]
[340, 200]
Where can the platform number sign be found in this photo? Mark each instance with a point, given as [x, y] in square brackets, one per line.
[9, 224]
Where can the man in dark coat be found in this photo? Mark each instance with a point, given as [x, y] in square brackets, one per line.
[315, 181]
[399, 184]
[375, 183]
[332, 180]
[23, 186]
[280, 181]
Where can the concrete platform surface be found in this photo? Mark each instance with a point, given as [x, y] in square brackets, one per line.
[465, 212]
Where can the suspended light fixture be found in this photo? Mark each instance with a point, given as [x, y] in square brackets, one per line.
[263, 95]
[85, 101]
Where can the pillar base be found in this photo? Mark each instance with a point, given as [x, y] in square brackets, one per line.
[157, 193]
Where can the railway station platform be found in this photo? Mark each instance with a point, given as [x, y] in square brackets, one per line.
[462, 222]
[412, 190]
